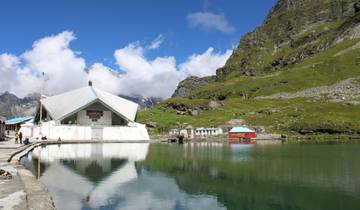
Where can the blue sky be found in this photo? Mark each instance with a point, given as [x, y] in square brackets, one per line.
[104, 26]
[152, 44]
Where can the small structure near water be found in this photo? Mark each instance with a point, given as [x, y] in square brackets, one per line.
[87, 113]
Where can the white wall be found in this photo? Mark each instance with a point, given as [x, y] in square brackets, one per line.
[76, 132]
[125, 133]
[65, 132]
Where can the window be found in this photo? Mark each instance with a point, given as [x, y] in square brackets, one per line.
[94, 115]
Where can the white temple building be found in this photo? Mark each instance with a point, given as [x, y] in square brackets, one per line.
[87, 114]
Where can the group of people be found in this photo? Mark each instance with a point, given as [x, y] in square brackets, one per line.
[18, 136]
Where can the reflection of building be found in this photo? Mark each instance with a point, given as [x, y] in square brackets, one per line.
[108, 176]
[88, 113]
[97, 171]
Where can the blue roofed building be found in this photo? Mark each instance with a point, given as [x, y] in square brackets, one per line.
[14, 124]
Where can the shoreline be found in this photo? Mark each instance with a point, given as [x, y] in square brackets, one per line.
[37, 196]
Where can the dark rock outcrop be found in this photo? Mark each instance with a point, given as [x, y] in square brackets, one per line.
[191, 84]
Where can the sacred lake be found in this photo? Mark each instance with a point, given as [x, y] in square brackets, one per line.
[199, 176]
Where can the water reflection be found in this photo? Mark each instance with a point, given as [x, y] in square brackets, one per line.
[106, 176]
[199, 176]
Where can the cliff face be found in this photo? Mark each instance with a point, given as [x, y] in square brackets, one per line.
[292, 31]
[11, 105]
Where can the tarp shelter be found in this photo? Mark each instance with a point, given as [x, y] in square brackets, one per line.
[242, 132]
[14, 124]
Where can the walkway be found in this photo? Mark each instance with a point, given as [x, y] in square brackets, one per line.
[23, 191]
[12, 193]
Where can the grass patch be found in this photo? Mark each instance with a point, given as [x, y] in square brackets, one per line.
[322, 69]
[281, 116]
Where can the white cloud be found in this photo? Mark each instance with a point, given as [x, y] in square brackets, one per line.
[15, 78]
[205, 64]
[160, 77]
[65, 69]
[105, 78]
[62, 66]
[155, 44]
[208, 20]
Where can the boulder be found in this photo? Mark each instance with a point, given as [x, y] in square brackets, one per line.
[214, 105]
[151, 124]
[195, 112]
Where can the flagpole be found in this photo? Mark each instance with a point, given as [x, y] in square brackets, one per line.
[41, 95]
[41, 106]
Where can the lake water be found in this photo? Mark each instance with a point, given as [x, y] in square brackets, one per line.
[199, 176]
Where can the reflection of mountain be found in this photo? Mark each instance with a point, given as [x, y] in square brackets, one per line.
[275, 177]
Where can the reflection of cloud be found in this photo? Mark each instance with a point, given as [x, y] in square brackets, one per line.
[71, 189]
[107, 188]
[66, 187]
[132, 152]
[157, 191]
[124, 188]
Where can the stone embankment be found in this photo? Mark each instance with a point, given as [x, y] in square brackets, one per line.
[20, 190]
[347, 90]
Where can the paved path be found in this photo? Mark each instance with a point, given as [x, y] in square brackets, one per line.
[23, 191]
[12, 193]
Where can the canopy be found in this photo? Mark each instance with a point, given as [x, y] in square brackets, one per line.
[66, 104]
[18, 120]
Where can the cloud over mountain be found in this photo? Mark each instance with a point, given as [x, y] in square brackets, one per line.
[65, 69]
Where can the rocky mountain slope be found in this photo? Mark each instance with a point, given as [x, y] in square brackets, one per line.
[297, 73]
[293, 31]
[11, 105]
[144, 103]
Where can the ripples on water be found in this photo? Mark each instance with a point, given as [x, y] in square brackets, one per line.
[199, 176]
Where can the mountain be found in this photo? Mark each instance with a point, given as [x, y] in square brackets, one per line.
[144, 103]
[12, 106]
[299, 72]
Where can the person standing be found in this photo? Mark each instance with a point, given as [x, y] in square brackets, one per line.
[20, 137]
[16, 137]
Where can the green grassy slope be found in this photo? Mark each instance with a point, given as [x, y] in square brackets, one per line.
[302, 44]
[300, 115]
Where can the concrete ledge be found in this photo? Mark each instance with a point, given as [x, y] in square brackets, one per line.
[37, 195]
